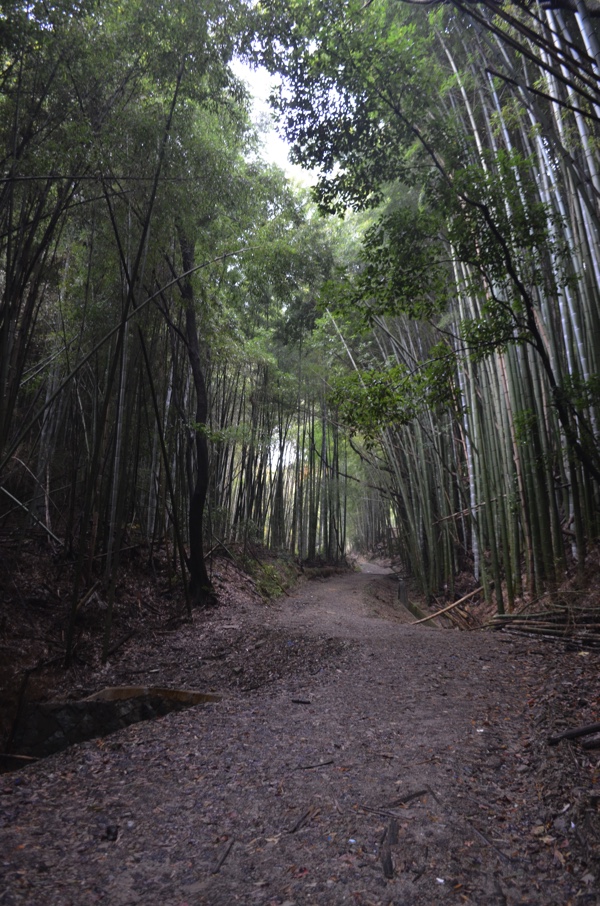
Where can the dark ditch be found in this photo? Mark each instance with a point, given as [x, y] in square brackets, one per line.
[44, 728]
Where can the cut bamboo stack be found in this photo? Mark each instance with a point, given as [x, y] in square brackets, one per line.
[579, 626]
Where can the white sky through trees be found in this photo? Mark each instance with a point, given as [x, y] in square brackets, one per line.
[275, 150]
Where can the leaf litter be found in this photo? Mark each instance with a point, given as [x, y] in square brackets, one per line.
[352, 759]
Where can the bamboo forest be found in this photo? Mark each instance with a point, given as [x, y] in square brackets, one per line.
[195, 351]
[292, 453]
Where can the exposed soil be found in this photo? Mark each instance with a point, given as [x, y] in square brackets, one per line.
[353, 758]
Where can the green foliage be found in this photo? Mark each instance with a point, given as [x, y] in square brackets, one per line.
[524, 422]
[370, 400]
[582, 394]
[405, 266]
[346, 64]
[495, 221]
[360, 97]
[493, 331]
[439, 378]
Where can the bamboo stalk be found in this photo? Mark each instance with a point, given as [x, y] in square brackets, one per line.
[449, 607]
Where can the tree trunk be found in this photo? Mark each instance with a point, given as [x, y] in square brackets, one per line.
[201, 590]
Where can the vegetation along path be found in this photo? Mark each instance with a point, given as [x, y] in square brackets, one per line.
[353, 758]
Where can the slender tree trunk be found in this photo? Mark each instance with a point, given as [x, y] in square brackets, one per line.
[201, 590]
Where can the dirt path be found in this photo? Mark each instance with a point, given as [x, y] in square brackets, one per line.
[377, 763]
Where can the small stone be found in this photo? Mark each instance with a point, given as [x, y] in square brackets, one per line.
[111, 832]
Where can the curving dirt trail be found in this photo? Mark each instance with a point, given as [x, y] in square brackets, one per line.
[391, 769]
[351, 605]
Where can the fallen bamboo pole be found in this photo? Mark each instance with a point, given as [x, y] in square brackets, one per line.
[574, 733]
[449, 607]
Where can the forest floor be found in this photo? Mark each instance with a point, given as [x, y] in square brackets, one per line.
[353, 758]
